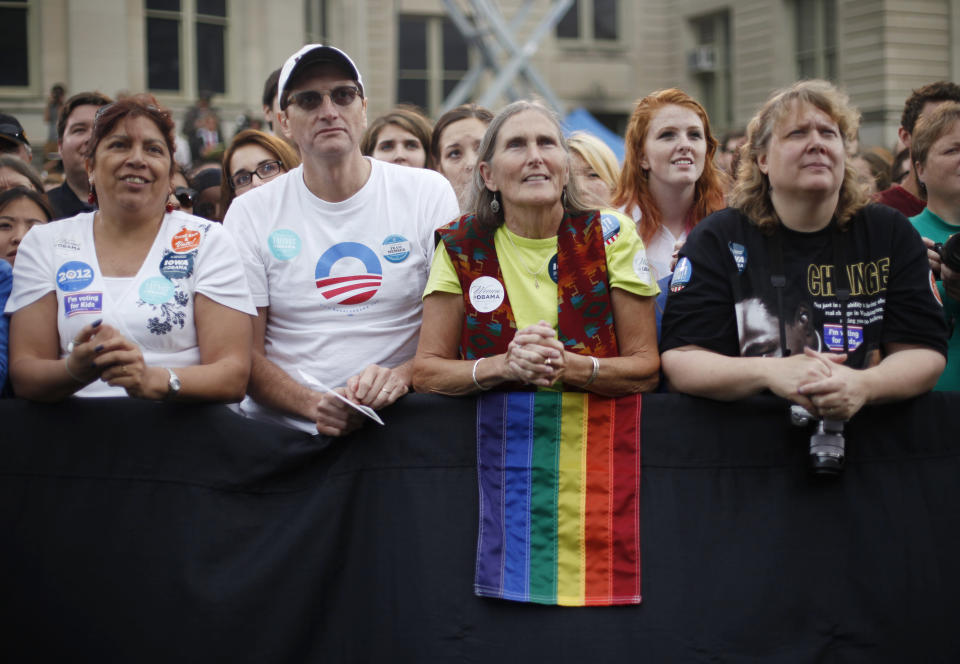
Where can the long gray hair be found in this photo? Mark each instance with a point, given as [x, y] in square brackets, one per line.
[482, 197]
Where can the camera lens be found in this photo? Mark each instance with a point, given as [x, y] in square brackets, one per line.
[827, 448]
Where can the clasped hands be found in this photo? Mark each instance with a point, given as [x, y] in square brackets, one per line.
[100, 352]
[375, 386]
[821, 383]
[535, 356]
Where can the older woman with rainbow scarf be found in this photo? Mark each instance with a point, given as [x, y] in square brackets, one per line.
[534, 290]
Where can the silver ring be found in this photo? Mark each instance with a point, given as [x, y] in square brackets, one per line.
[70, 347]
[548, 361]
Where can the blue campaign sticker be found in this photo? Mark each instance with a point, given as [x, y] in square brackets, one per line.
[395, 248]
[156, 290]
[177, 266]
[611, 227]
[82, 303]
[74, 276]
[284, 244]
[681, 275]
[553, 270]
[833, 336]
[739, 255]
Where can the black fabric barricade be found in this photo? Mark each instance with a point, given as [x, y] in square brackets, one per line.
[141, 532]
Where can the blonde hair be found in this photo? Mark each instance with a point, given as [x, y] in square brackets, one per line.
[598, 156]
[751, 193]
[930, 128]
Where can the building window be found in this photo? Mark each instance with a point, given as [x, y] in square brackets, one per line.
[186, 46]
[815, 33]
[708, 64]
[14, 18]
[432, 57]
[590, 20]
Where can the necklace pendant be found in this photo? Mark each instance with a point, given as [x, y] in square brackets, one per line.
[536, 281]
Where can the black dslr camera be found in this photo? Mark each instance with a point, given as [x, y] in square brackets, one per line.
[950, 252]
[827, 446]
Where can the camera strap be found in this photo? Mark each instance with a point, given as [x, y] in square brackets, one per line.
[843, 292]
[778, 280]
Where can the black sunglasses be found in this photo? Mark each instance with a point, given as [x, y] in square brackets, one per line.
[185, 196]
[308, 100]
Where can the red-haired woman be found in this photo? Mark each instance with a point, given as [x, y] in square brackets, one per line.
[669, 181]
[134, 298]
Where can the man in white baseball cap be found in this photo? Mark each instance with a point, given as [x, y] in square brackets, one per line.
[337, 253]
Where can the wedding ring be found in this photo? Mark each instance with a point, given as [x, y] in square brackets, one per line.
[70, 347]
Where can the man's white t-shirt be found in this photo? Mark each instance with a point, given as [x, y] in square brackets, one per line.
[342, 280]
[153, 309]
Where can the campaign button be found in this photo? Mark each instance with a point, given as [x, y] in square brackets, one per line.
[486, 294]
[156, 290]
[395, 248]
[82, 303]
[177, 266]
[185, 240]
[74, 276]
[284, 244]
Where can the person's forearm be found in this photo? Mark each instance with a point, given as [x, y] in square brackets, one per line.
[223, 381]
[707, 374]
[617, 376]
[46, 380]
[271, 386]
[438, 375]
[903, 374]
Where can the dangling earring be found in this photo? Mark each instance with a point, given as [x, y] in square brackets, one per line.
[169, 208]
[563, 197]
[92, 196]
[495, 204]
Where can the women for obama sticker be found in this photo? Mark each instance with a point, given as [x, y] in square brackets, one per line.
[395, 248]
[486, 294]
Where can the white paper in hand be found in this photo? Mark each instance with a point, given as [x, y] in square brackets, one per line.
[366, 410]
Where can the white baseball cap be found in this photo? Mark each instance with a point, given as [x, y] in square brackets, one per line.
[311, 54]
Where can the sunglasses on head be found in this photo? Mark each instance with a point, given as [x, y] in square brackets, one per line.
[185, 196]
[308, 100]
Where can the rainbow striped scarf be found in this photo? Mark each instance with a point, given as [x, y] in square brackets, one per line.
[559, 477]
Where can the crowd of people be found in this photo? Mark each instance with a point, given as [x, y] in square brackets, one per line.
[323, 264]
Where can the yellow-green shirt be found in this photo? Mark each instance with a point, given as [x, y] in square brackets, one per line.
[627, 268]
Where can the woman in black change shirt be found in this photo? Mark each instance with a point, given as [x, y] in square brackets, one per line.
[800, 287]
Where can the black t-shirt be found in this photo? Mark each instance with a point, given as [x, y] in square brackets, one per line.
[722, 298]
[65, 203]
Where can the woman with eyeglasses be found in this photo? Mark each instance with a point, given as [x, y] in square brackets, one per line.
[181, 195]
[135, 298]
[252, 159]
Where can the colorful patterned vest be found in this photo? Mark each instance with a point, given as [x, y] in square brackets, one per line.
[585, 315]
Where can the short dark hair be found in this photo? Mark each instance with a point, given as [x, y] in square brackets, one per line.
[79, 99]
[40, 198]
[270, 88]
[144, 105]
[934, 92]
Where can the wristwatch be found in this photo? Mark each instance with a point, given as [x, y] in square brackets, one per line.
[173, 385]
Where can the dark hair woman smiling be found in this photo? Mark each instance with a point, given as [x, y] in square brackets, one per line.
[134, 298]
